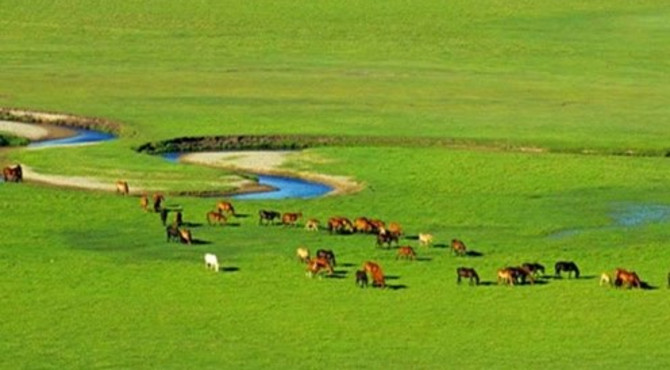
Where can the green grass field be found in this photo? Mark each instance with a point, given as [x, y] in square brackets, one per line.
[89, 281]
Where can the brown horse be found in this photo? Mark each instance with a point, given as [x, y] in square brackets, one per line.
[458, 247]
[376, 273]
[377, 225]
[158, 199]
[13, 174]
[395, 229]
[144, 202]
[315, 265]
[521, 274]
[362, 225]
[341, 225]
[226, 207]
[626, 278]
[290, 219]
[385, 237]
[469, 273]
[122, 187]
[216, 218]
[406, 252]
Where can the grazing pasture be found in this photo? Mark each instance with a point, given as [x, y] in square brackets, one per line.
[530, 98]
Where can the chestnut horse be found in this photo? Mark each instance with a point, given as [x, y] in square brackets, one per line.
[340, 225]
[506, 276]
[315, 265]
[216, 218]
[144, 202]
[626, 278]
[458, 247]
[467, 272]
[158, 199]
[13, 174]
[406, 252]
[185, 236]
[226, 207]
[290, 219]
[376, 273]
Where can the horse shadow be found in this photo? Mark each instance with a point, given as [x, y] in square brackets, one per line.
[241, 215]
[424, 259]
[412, 237]
[233, 224]
[229, 269]
[391, 277]
[486, 283]
[337, 274]
[396, 286]
[472, 253]
[200, 242]
[440, 246]
[191, 224]
[644, 285]
[346, 264]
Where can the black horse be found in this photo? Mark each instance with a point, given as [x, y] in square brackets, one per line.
[361, 279]
[466, 272]
[172, 232]
[535, 268]
[267, 216]
[387, 238]
[567, 266]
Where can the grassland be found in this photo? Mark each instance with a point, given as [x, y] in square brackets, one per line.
[88, 280]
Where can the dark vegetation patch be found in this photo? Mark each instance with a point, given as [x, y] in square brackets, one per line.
[9, 140]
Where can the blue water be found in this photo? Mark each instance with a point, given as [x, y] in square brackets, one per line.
[82, 136]
[286, 187]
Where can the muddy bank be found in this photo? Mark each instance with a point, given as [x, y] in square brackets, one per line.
[59, 120]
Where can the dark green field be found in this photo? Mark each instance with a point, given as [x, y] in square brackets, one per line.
[534, 99]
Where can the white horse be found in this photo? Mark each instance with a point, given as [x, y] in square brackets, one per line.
[302, 254]
[211, 262]
[425, 239]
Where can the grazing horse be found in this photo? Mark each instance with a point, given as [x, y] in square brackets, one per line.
[341, 225]
[302, 254]
[290, 219]
[185, 236]
[458, 247]
[506, 276]
[315, 265]
[520, 274]
[377, 225]
[312, 224]
[144, 202]
[626, 278]
[467, 272]
[216, 218]
[534, 268]
[605, 278]
[567, 266]
[395, 229]
[363, 225]
[172, 232]
[12, 174]
[226, 207]
[361, 279]
[158, 199]
[425, 239]
[385, 237]
[376, 273]
[211, 262]
[267, 216]
[406, 252]
[328, 254]
[122, 187]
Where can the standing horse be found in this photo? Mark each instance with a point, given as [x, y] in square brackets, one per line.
[267, 216]
[216, 218]
[361, 279]
[506, 276]
[466, 272]
[13, 174]
[328, 255]
[376, 272]
[315, 265]
[626, 278]
[158, 199]
[122, 187]
[226, 207]
[144, 202]
[312, 224]
[290, 219]
[458, 247]
[567, 266]
[406, 252]
[535, 268]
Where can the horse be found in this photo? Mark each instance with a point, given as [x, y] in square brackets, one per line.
[172, 232]
[458, 247]
[425, 239]
[216, 218]
[385, 237]
[302, 254]
[226, 207]
[290, 219]
[376, 272]
[340, 225]
[406, 252]
[315, 265]
[567, 266]
[362, 225]
[534, 268]
[122, 187]
[312, 224]
[377, 225]
[466, 272]
[211, 262]
[13, 174]
[395, 229]
[361, 279]
[605, 278]
[506, 276]
[328, 255]
[626, 278]
[144, 201]
[520, 274]
[158, 199]
[185, 236]
[267, 216]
